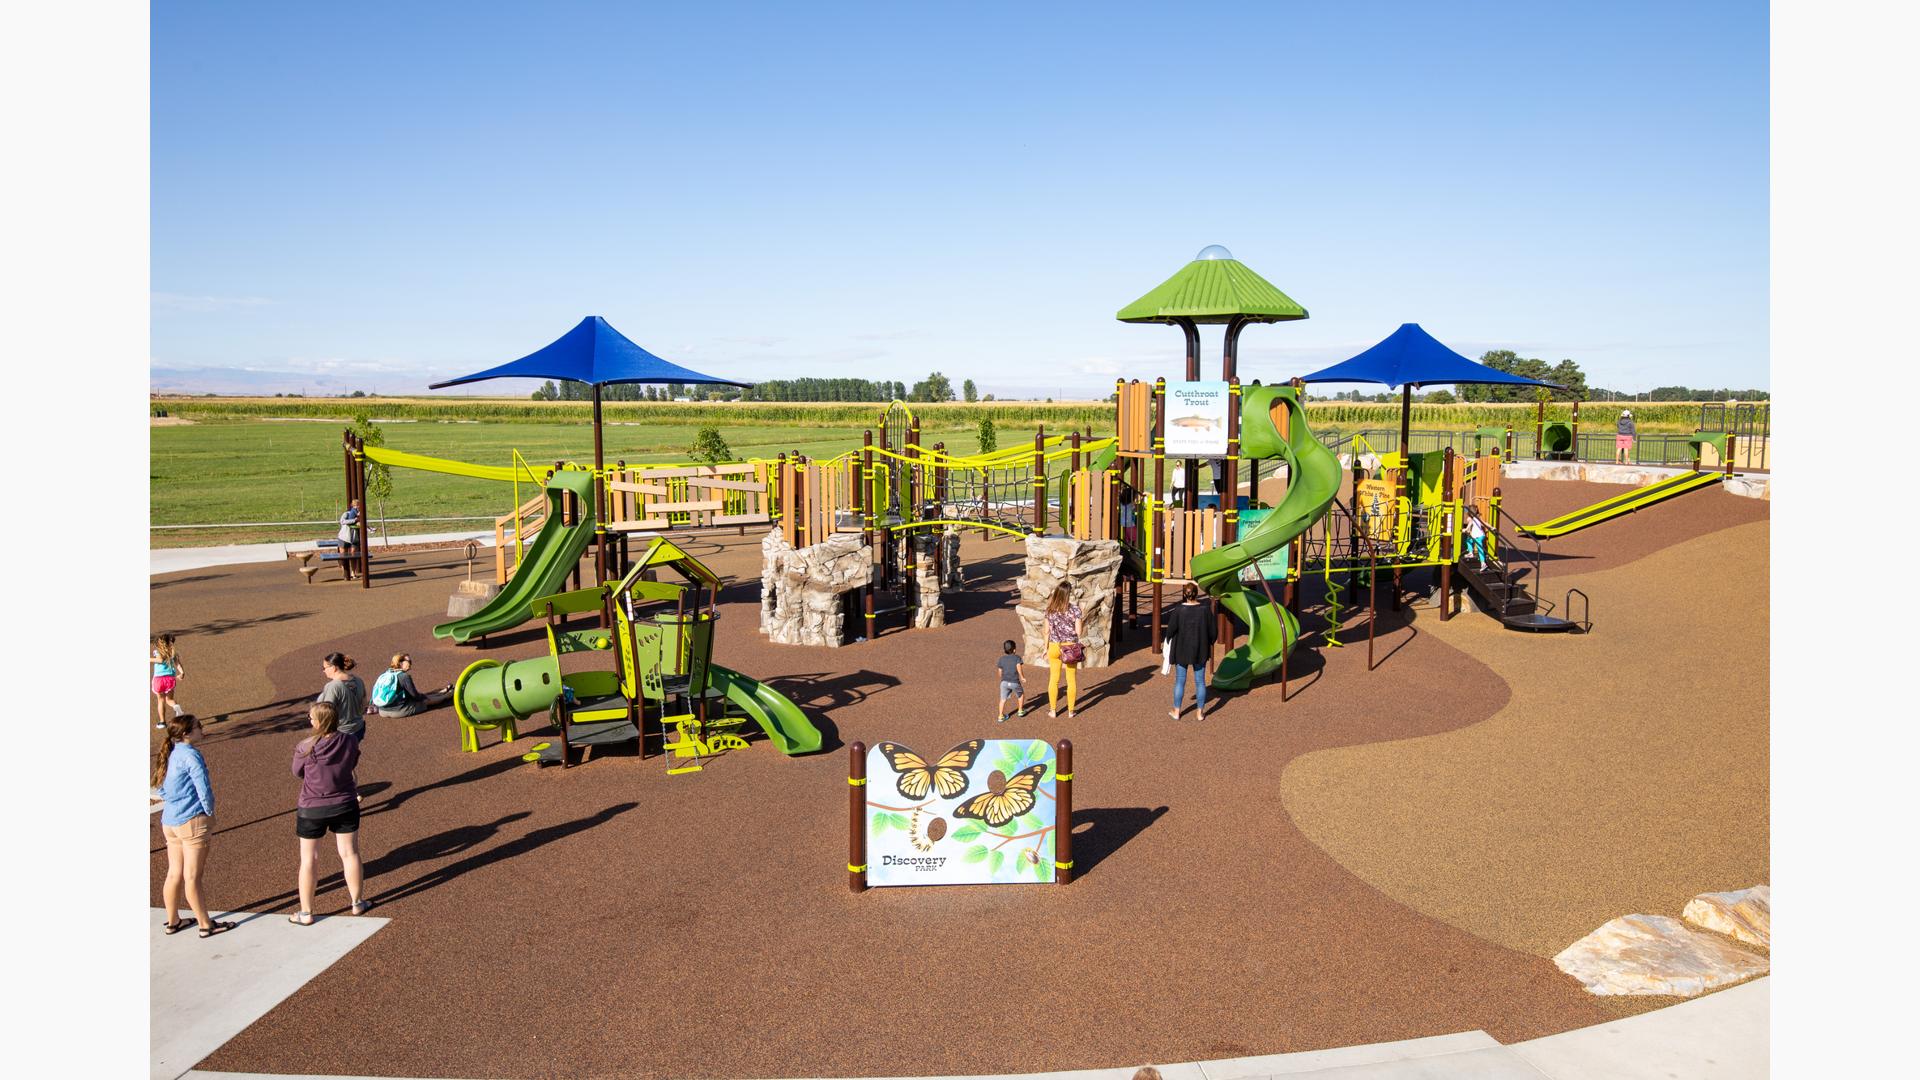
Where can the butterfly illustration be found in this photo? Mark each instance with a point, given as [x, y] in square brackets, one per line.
[1005, 799]
[948, 776]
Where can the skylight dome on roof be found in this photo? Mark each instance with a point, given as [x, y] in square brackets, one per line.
[1212, 252]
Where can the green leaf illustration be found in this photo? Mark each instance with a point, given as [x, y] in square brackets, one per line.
[898, 821]
[993, 864]
[879, 824]
[1028, 822]
[976, 853]
[1043, 870]
[965, 833]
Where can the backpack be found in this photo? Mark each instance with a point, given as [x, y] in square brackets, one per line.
[386, 688]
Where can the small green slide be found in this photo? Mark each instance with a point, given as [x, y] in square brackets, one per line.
[1608, 509]
[1314, 481]
[778, 716]
[543, 570]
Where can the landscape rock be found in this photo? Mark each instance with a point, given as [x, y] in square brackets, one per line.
[1091, 568]
[801, 588]
[1655, 955]
[1743, 914]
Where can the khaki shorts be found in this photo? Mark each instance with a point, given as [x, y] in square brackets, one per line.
[191, 833]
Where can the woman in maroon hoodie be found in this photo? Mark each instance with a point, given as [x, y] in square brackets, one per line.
[329, 802]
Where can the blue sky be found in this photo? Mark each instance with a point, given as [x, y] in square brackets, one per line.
[377, 196]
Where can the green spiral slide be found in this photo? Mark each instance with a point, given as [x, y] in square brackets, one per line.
[543, 570]
[1313, 481]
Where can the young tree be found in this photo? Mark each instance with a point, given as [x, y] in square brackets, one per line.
[968, 392]
[708, 446]
[379, 477]
[989, 436]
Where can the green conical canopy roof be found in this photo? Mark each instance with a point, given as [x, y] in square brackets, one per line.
[1214, 288]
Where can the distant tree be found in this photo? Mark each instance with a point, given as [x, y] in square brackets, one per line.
[989, 436]
[1437, 397]
[358, 393]
[547, 392]
[710, 447]
[1568, 374]
[989, 397]
[968, 392]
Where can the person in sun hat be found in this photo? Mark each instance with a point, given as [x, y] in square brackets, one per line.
[1623, 436]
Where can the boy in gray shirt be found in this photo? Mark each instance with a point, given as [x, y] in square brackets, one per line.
[1013, 682]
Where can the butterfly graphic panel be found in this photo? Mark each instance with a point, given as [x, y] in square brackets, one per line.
[979, 813]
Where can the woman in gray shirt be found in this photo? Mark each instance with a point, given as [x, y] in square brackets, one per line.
[346, 693]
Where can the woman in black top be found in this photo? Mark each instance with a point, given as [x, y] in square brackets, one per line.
[1191, 632]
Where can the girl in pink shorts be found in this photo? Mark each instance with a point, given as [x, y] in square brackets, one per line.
[166, 675]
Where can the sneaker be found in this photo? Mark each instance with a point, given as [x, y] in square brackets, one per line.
[1000, 718]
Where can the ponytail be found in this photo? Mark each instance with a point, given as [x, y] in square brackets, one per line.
[338, 661]
[178, 728]
[163, 648]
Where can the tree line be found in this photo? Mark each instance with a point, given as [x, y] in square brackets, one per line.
[1566, 375]
[935, 387]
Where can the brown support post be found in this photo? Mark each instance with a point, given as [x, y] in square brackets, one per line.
[366, 523]
[1406, 420]
[1063, 813]
[1373, 567]
[856, 817]
[1076, 462]
[1509, 454]
[1040, 481]
[348, 559]
[1539, 429]
[1446, 535]
[1576, 431]
[870, 516]
[1150, 544]
[599, 503]
[1728, 464]
[1190, 467]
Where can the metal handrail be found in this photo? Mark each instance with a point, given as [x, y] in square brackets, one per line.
[1585, 622]
[1506, 543]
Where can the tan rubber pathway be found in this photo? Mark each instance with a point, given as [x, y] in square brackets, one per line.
[1626, 773]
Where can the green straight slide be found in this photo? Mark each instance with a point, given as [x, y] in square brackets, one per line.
[779, 717]
[543, 570]
[1313, 481]
[1608, 509]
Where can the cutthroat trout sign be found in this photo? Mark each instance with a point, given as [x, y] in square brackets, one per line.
[979, 813]
[1196, 419]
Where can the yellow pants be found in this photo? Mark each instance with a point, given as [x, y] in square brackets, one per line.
[1054, 664]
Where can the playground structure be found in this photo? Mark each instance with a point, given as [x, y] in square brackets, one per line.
[875, 531]
[661, 644]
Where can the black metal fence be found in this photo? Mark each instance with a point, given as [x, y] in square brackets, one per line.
[1594, 446]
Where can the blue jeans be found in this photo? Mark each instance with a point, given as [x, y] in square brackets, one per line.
[1477, 547]
[1199, 687]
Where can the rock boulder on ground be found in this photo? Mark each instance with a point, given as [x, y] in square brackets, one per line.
[1743, 914]
[1655, 955]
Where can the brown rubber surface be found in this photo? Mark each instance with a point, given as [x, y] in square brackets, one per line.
[612, 920]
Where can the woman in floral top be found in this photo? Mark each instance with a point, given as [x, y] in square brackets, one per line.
[1063, 628]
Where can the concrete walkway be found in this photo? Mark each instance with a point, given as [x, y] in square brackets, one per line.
[169, 560]
[1722, 1036]
[207, 990]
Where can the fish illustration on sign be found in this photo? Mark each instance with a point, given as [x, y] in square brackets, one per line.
[1196, 423]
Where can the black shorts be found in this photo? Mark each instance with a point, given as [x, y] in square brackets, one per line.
[312, 823]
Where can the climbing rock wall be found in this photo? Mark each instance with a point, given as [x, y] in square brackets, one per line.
[1092, 569]
[801, 588]
[932, 611]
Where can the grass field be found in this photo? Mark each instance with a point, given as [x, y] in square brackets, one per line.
[235, 463]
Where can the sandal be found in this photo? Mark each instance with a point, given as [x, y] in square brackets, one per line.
[175, 926]
[361, 907]
[216, 928]
[305, 918]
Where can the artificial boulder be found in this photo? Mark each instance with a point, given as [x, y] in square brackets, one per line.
[931, 610]
[1744, 914]
[801, 589]
[1091, 570]
[1655, 955]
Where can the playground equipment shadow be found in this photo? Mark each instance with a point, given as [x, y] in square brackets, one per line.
[588, 898]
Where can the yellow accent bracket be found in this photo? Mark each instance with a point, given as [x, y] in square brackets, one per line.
[1058, 865]
[1063, 776]
[852, 869]
[862, 782]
